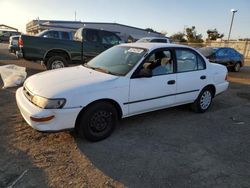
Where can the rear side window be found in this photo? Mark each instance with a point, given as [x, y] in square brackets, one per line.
[188, 60]
[65, 35]
[52, 34]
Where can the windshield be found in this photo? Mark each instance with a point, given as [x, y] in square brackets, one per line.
[118, 60]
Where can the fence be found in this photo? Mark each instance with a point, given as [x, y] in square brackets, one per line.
[241, 46]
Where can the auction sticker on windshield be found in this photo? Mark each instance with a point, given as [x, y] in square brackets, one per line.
[135, 50]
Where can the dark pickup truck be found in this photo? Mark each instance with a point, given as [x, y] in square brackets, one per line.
[58, 53]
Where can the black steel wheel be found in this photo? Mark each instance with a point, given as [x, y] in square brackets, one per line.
[98, 121]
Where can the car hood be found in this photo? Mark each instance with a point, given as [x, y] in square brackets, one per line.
[54, 83]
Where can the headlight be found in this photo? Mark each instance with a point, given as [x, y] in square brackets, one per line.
[48, 103]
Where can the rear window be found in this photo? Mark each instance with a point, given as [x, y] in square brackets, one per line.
[207, 51]
[159, 40]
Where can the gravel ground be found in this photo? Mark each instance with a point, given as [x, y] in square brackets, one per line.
[168, 148]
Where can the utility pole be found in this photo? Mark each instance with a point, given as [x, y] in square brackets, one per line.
[233, 11]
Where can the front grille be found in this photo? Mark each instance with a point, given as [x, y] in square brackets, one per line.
[27, 94]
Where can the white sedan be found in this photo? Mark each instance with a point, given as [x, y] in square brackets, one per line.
[123, 81]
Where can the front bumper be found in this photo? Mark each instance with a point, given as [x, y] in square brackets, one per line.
[63, 118]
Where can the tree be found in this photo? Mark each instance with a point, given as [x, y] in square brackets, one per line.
[244, 39]
[164, 32]
[178, 37]
[213, 34]
[192, 35]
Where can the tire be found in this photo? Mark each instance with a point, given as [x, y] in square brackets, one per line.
[97, 122]
[203, 102]
[236, 67]
[56, 62]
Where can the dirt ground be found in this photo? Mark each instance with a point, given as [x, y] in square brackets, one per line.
[168, 148]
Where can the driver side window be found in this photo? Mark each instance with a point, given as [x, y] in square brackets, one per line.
[159, 63]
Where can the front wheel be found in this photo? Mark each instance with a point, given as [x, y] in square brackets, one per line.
[203, 102]
[56, 62]
[98, 121]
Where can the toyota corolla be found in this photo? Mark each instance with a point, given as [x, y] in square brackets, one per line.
[123, 81]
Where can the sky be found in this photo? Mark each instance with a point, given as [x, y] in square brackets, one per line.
[161, 15]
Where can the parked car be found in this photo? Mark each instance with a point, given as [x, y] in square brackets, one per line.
[123, 81]
[55, 53]
[13, 44]
[155, 39]
[5, 35]
[225, 56]
[56, 34]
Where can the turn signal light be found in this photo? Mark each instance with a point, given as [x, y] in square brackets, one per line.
[43, 119]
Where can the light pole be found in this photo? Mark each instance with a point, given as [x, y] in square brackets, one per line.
[233, 11]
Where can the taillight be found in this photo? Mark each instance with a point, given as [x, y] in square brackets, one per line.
[20, 42]
[226, 77]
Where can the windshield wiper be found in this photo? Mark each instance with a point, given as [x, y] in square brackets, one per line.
[87, 66]
[100, 69]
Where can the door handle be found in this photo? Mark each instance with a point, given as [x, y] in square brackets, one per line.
[171, 82]
[203, 77]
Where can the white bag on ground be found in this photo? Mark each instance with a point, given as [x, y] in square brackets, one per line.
[12, 75]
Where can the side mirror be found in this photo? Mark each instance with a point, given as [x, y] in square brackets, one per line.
[144, 73]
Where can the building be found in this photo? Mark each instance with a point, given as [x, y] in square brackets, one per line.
[127, 33]
[6, 32]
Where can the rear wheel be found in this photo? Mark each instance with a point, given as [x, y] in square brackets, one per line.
[236, 67]
[98, 121]
[56, 62]
[204, 101]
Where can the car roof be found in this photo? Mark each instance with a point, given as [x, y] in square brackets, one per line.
[152, 46]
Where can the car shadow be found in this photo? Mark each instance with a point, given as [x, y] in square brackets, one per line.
[18, 171]
[175, 147]
[156, 149]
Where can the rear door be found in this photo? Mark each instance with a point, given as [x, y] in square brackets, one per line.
[191, 75]
[222, 56]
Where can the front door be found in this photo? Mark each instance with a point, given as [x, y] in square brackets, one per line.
[158, 91]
